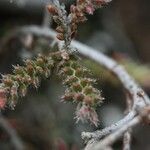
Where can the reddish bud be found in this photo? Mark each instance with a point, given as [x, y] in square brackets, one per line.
[67, 71]
[60, 36]
[67, 97]
[88, 100]
[79, 96]
[73, 9]
[70, 80]
[52, 9]
[88, 90]
[77, 87]
[59, 29]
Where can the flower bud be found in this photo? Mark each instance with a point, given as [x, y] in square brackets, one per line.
[86, 81]
[70, 80]
[88, 100]
[88, 90]
[77, 87]
[60, 36]
[59, 29]
[68, 71]
[23, 90]
[52, 9]
[7, 81]
[14, 92]
[47, 73]
[79, 97]
[40, 61]
[39, 69]
[36, 82]
[67, 97]
[73, 8]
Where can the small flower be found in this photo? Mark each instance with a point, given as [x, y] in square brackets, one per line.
[79, 88]
[52, 9]
[23, 90]
[60, 36]
[84, 113]
[31, 73]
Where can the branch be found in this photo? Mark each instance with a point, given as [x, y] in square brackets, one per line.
[101, 133]
[127, 135]
[116, 135]
[127, 140]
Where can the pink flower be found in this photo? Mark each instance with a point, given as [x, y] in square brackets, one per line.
[85, 113]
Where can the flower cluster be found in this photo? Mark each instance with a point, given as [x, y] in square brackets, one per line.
[80, 88]
[67, 23]
[16, 84]
[76, 78]
[78, 12]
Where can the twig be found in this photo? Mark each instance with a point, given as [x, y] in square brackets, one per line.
[127, 140]
[101, 133]
[15, 139]
[127, 135]
[116, 135]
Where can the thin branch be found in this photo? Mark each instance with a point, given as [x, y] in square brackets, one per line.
[127, 140]
[15, 139]
[116, 135]
[127, 135]
[101, 133]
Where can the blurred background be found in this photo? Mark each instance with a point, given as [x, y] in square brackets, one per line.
[120, 30]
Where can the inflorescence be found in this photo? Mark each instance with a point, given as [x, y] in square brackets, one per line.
[76, 78]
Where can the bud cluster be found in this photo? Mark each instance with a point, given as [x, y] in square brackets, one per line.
[76, 78]
[78, 12]
[31, 73]
[80, 89]
[67, 23]
[60, 16]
